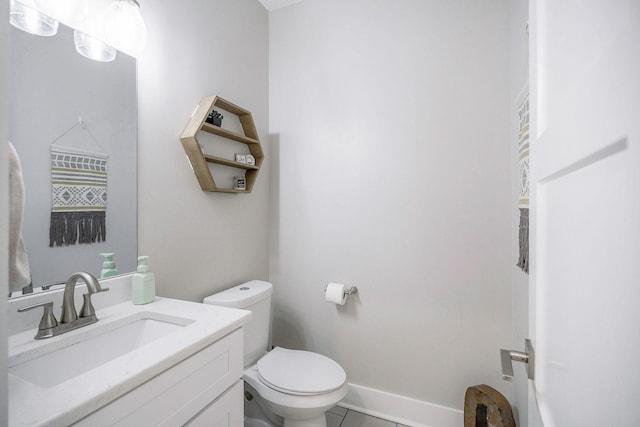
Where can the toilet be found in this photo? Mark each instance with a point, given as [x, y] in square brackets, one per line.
[294, 385]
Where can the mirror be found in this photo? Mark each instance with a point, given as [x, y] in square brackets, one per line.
[51, 86]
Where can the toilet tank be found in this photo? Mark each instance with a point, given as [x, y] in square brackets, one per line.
[254, 296]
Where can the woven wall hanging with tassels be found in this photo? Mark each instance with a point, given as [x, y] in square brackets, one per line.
[523, 163]
[78, 195]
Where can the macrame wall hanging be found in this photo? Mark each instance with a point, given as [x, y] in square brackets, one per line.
[78, 191]
[523, 162]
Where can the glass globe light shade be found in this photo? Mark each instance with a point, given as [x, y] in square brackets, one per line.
[31, 20]
[65, 10]
[92, 48]
[124, 27]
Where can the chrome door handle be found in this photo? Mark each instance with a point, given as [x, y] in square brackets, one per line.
[528, 358]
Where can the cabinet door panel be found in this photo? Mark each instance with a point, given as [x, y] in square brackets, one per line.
[176, 395]
[226, 411]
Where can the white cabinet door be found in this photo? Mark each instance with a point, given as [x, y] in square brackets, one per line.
[175, 396]
[226, 411]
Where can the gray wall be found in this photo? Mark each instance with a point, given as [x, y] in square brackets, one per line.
[200, 242]
[390, 124]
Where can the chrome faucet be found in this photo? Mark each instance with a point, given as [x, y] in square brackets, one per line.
[69, 319]
[69, 313]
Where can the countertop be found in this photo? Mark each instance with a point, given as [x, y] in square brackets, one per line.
[70, 401]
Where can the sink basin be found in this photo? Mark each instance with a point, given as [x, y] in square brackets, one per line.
[101, 347]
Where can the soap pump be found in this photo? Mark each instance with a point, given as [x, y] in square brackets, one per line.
[143, 283]
[108, 265]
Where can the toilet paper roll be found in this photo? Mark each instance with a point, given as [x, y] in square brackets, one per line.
[335, 293]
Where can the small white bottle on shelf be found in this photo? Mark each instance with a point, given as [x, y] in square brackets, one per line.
[143, 283]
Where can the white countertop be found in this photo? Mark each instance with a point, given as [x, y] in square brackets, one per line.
[70, 401]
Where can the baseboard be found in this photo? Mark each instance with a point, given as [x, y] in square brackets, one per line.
[400, 409]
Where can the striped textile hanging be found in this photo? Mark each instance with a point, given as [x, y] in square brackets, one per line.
[523, 203]
[78, 198]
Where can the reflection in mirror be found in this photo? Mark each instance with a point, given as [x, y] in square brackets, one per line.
[52, 86]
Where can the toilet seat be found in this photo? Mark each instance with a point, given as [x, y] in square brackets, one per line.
[290, 405]
[301, 373]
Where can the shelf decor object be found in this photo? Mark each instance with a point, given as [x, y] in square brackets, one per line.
[215, 118]
[200, 161]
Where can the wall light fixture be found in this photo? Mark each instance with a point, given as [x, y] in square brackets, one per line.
[31, 20]
[124, 27]
[65, 10]
[101, 26]
[92, 48]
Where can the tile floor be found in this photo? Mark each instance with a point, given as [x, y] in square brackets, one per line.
[341, 417]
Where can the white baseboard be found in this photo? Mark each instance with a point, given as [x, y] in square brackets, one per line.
[400, 409]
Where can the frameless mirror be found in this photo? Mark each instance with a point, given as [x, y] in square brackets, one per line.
[51, 87]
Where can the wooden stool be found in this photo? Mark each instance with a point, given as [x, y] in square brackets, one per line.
[484, 405]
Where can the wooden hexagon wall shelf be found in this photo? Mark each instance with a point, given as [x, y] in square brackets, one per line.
[199, 160]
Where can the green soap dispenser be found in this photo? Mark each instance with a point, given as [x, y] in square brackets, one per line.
[108, 265]
[143, 283]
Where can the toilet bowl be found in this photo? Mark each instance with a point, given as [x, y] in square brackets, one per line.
[299, 386]
[294, 386]
[255, 409]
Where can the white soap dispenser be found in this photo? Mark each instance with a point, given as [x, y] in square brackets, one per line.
[143, 283]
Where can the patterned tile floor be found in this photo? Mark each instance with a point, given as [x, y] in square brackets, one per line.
[341, 417]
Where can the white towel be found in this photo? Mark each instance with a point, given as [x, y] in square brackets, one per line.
[19, 274]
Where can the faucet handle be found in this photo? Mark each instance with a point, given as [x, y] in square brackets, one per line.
[87, 307]
[48, 320]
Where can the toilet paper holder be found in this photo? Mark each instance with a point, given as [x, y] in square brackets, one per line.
[350, 291]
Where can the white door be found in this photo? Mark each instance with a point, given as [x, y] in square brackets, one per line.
[585, 248]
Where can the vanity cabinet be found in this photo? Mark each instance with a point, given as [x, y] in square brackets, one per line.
[205, 389]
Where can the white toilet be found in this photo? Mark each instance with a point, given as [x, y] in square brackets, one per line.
[299, 386]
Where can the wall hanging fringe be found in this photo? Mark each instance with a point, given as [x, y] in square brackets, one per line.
[523, 233]
[69, 228]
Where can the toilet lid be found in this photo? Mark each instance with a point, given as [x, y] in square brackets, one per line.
[300, 372]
